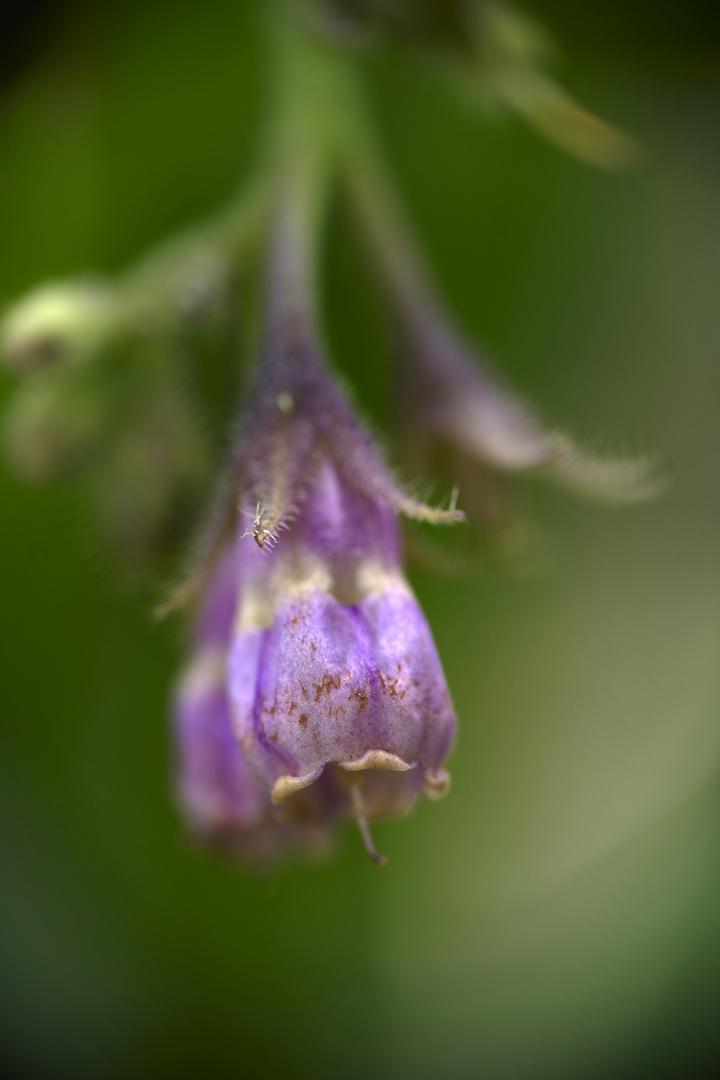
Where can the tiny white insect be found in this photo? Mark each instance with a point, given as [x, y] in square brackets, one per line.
[263, 529]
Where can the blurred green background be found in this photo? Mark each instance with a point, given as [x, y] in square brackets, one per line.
[557, 916]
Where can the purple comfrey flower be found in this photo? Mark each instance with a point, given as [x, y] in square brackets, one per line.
[333, 678]
[457, 417]
[332, 662]
[222, 802]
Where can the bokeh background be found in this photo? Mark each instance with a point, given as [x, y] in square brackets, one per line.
[558, 915]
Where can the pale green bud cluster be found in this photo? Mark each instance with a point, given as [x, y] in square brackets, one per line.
[99, 400]
[60, 323]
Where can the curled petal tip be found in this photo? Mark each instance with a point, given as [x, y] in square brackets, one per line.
[377, 759]
[285, 786]
[436, 783]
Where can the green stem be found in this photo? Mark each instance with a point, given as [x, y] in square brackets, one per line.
[290, 177]
[150, 292]
[375, 200]
[323, 129]
[303, 141]
[317, 128]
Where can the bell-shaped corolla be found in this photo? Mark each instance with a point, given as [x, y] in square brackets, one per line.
[332, 666]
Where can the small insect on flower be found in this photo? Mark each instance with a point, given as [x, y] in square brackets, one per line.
[264, 530]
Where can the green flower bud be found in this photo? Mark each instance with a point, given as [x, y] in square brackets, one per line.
[58, 323]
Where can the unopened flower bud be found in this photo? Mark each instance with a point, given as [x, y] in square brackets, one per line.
[460, 419]
[59, 323]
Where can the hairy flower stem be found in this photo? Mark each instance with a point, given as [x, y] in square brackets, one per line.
[368, 181]
[312, 97]
[451, 388]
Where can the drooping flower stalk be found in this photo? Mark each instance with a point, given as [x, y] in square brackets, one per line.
[455, 413]
[342, 669]
[332, 671]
